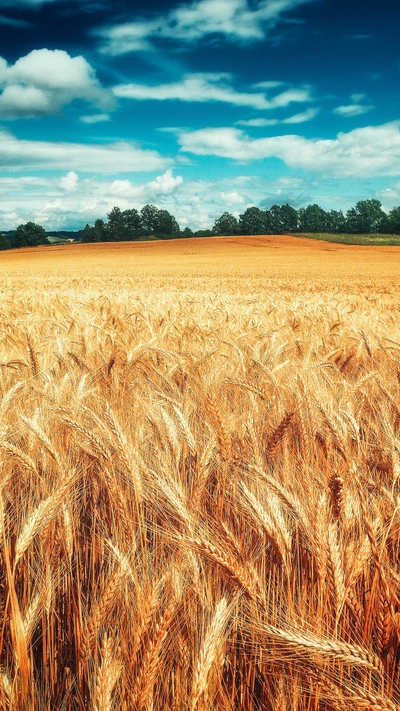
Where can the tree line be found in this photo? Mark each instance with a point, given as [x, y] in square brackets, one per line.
[366, 217]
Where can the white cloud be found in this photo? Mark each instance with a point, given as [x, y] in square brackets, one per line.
[365, 152]
[302, 117]
[211, 87]
[95, 118]
[232, 198]
[164, 184]
[236, 20]
[69, 182]
[73, 201]
[44, 81]
[117, 157]
[390, 197]
[355, 108]
[296, 118]
[267, 84]
[258, 122]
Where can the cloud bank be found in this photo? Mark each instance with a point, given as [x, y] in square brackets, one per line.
[365, 152]
[117, 157]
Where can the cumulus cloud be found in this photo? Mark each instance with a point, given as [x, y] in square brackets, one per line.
[236, 20]
[365, 152]
[69, 182]
[165, 184]
[74, 200]
[117, 157]
[356, 108]
[390, 196]
[232, 198]
[44, 81]
[211, 87]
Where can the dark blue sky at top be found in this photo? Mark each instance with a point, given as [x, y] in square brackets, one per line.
[346, 56]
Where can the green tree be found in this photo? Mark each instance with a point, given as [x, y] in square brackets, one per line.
[282, 218]
[100, 231]
[394, 221]
[365, 217]
[132, 224]
[187, 232]
[116, 229]
[252, 222]
[4, 243]
[30, 235]
[226, 224]
[337, 221]
[204, 233]
[313, 218]
[166, 225]
[88, 234]
[149, 218]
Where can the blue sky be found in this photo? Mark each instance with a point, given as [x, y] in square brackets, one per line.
[198, 107]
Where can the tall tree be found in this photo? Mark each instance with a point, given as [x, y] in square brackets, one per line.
[166, 225]
[394, 221]
[132, 224]
[313, 218]
[30, 235]
[252, 222]
[365, 217]
[336, 222]
[283, 218]
[149, 218]
[4, 242]
[226, 224]
[116, 229]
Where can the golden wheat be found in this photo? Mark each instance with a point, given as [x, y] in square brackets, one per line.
[200, 503]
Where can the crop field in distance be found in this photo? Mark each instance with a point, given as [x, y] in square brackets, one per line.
[200, 476]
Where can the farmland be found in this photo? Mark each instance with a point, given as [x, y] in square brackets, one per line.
[200, 476]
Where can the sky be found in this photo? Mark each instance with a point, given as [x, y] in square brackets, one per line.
[198, 107]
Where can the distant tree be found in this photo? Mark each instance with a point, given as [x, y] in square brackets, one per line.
[365, 217]
[116, 228]
[204, 233]
[88, 234]
[226, 224]
[289, 218]
[30, 235]
[282, 218]
[100, 231]
[132, 224]
[166, 225]
[187, 232]
[149, 218]
[393, 221]
[336, 222]
[4, 243]
[313, 218]
[252, 222]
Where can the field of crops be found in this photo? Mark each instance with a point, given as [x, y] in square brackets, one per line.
[200, 492]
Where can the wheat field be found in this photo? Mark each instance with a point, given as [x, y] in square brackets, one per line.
[200, 477]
